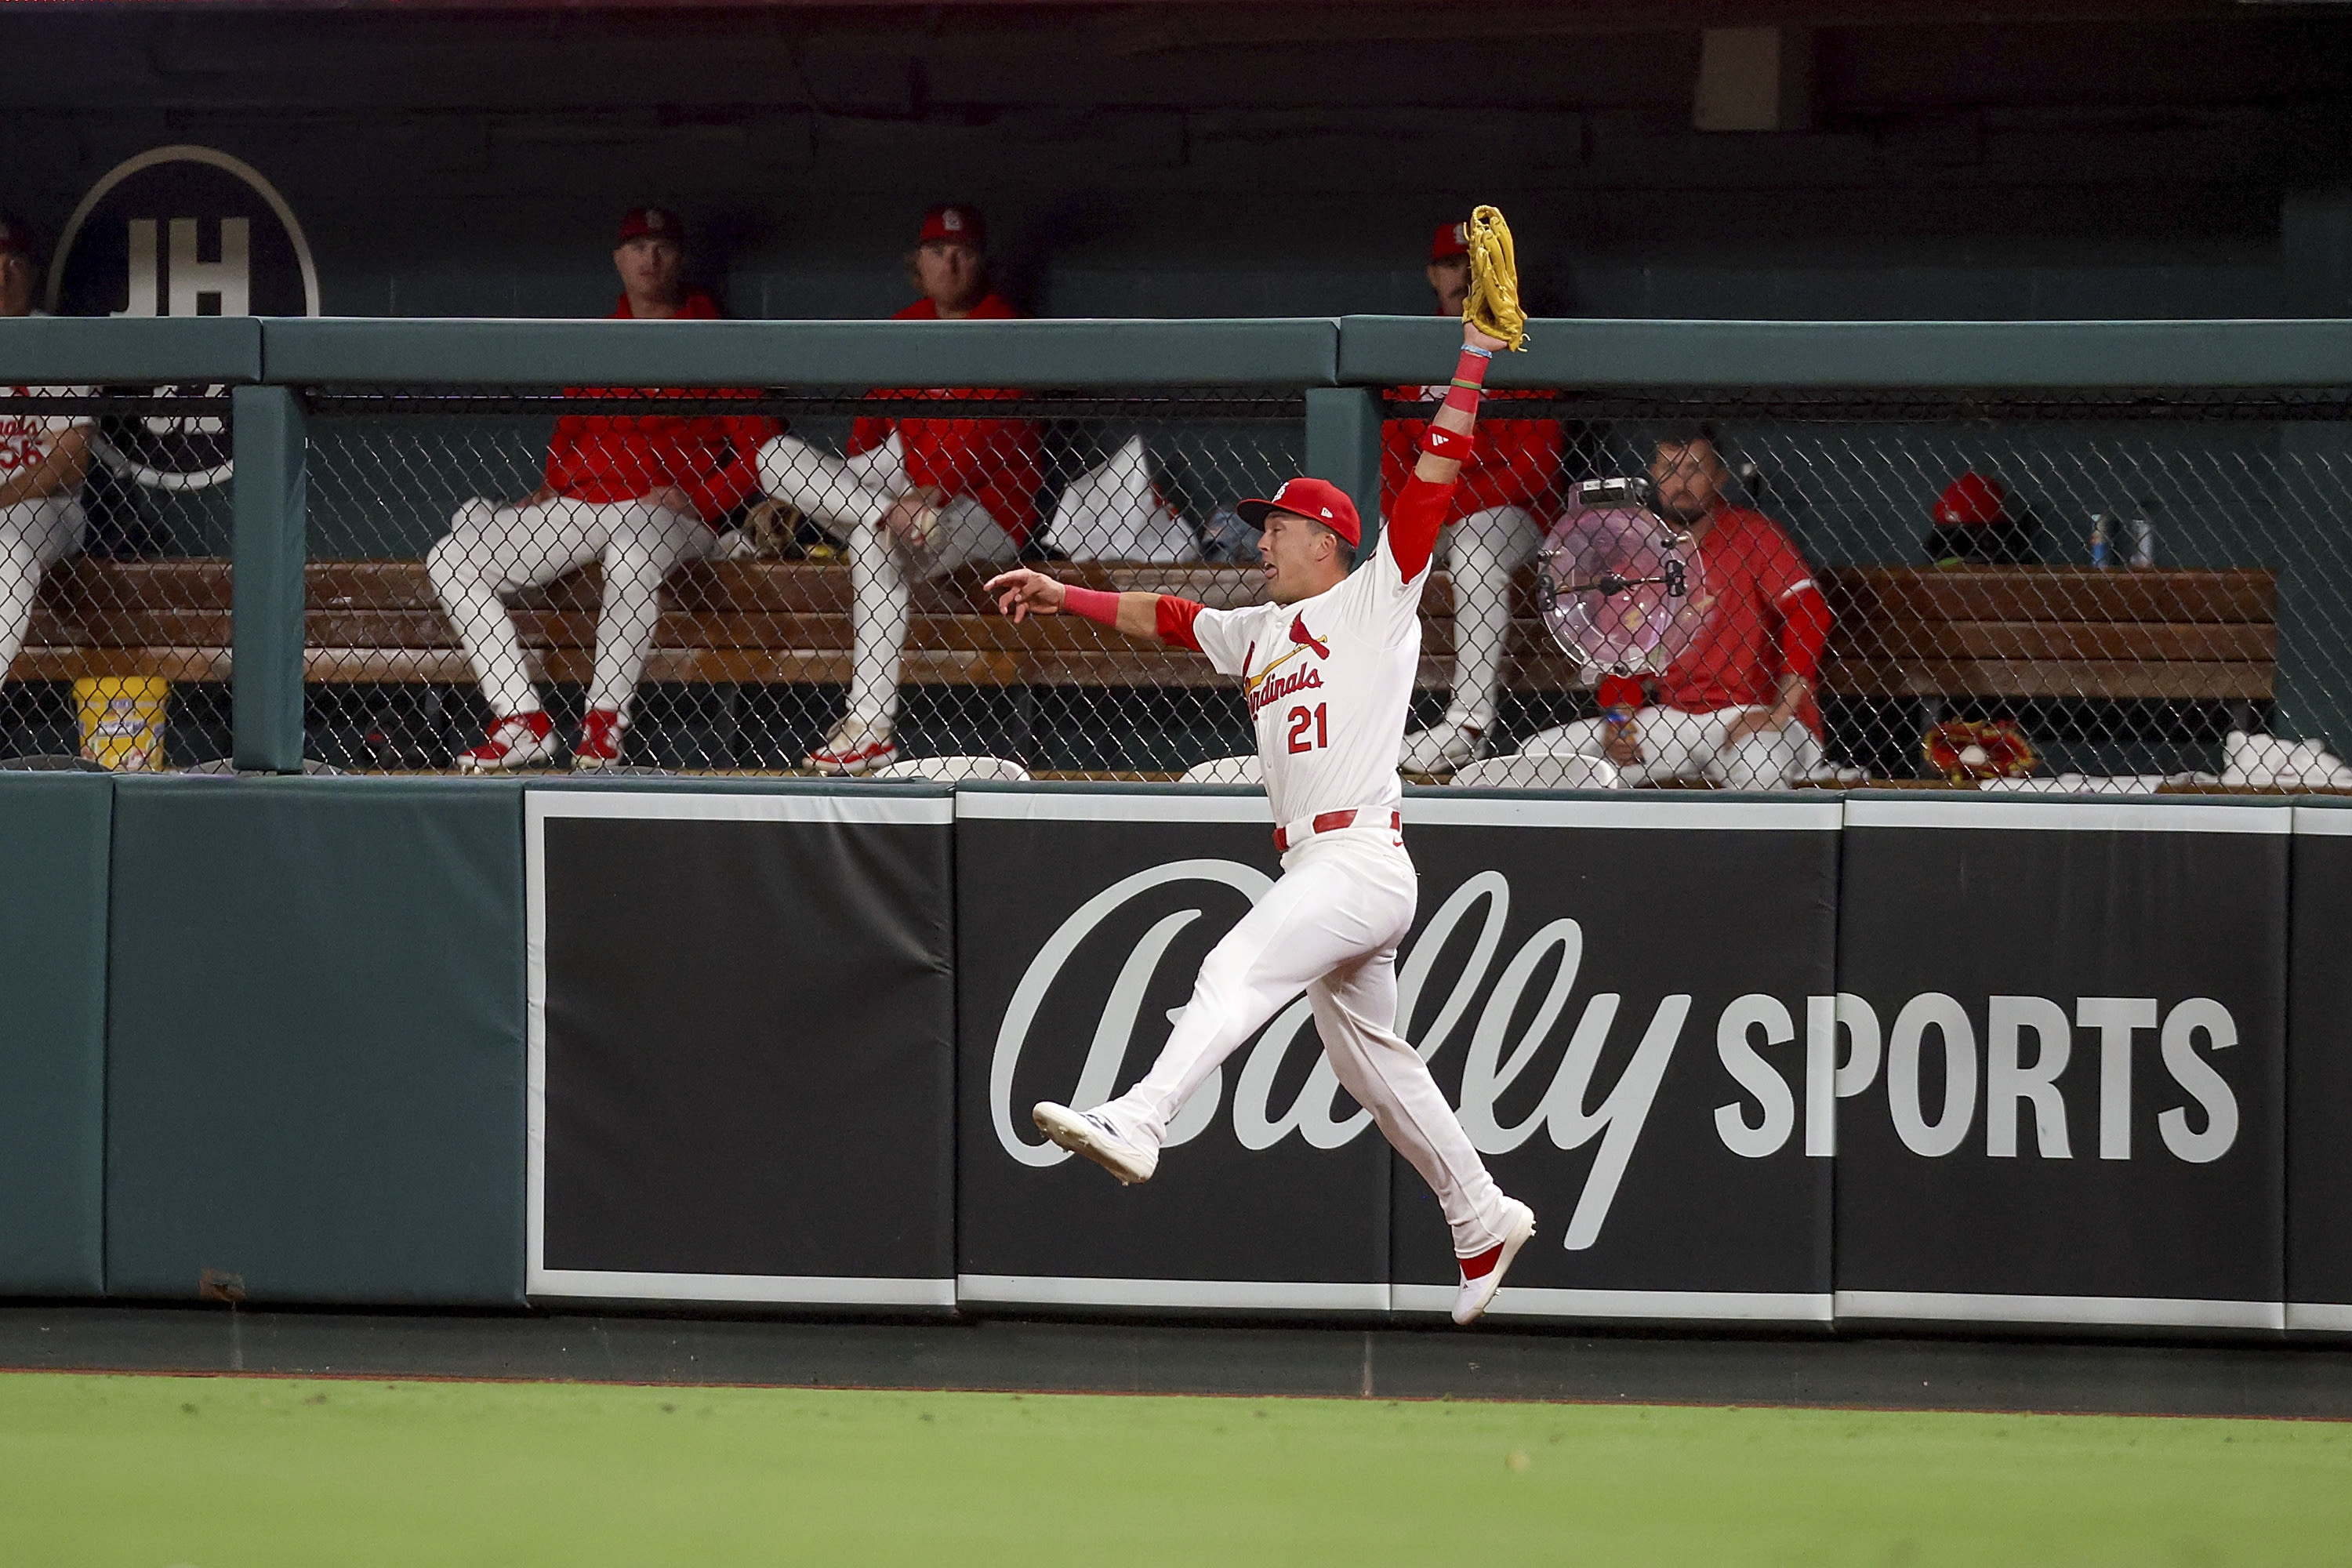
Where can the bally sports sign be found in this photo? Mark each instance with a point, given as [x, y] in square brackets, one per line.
[1803, 1059]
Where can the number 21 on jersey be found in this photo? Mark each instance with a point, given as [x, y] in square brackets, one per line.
[1309, 730]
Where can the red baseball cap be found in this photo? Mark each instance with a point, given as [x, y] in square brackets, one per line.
[1317, 501]
[660, 222]
[15, 238]
[952, 220]
[1971, 500]
[1452, 239]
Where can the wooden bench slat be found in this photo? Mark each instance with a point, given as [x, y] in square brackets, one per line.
[2158, 642]
[1907, 595]
[1903, 632]
[2108, 678]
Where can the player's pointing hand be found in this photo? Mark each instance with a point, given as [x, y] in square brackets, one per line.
[1022, 593]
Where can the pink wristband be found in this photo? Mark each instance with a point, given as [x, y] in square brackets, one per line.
[1091, 603]
[1469, 378]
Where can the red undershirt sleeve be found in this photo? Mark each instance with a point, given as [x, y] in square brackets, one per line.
[561, 444]
[1804, 630]
[1174, 617]
[1413, 521]
[719, 493]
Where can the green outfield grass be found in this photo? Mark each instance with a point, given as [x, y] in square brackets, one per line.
[250, 1473]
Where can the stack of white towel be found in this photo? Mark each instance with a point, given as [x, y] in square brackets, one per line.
[2260, 761]
[2266, 761]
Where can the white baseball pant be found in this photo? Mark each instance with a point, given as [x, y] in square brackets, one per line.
[1679, 745]
[493, 550]
[35, 535]
[1329, 926]
[846, 497]
[1482, 552]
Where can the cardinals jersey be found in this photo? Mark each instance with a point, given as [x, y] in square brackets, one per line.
[27, 438]
[1329, 679]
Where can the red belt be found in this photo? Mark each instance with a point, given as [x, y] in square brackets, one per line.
[1330, 822]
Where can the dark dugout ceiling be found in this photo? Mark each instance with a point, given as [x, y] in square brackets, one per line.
[1235, 21]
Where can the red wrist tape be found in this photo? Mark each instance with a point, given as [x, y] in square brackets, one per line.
[1093, 604]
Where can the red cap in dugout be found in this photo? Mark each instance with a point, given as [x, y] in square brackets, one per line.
[1970, 501]
[1318, 499]
[657, 223]
[1452, 239]
[15, 239]
[952, 220]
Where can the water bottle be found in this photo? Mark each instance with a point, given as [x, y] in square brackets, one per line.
[2103, 549]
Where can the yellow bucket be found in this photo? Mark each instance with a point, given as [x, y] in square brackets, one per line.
[122, 720]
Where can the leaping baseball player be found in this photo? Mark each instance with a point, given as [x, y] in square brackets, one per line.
[1327, 663]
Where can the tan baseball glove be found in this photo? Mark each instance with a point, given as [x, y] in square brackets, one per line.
[1493, 306]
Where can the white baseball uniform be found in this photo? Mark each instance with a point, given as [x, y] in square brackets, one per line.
[602, 468]
[1329, 680]
[36, 534]
[846, 497]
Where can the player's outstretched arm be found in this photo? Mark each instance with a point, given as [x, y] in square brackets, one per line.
[1023, 593]
[1420, 508]
[1459, 414]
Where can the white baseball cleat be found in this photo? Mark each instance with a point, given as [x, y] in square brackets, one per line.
[856, 746]
[1443, 747]
[1090, 1133]
[517, 741]
[1482, 1276]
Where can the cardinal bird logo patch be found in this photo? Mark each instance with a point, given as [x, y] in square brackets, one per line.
[1267, 686]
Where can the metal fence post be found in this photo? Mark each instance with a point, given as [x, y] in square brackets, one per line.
[1343, 446]
[2313, 697]
[267, 553]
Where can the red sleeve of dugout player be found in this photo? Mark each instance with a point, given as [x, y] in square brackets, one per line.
[605, 458]
[993, 462]
[1767, 619]
[1516, 463]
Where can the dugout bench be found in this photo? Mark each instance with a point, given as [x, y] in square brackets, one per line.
[1924, 636]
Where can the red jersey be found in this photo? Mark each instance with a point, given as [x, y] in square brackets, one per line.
[609, 458]
[1765, 618]
[993, 462]
[1515, 463]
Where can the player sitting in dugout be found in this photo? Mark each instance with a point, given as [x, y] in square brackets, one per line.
[1737, 707]
[1498, 511]
[914, 498]
[44, 458]
[640, 493]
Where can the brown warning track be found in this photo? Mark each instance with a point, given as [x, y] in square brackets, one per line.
[2268, 1378]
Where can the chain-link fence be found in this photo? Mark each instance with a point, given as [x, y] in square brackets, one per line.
[811, 603]
[2104, 585]
[2093, 587]
[114, 582]
[2087, 585]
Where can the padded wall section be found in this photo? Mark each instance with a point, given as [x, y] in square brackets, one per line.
[2319, 1074]
[747, 1050]
[2063, 1081]
[53, 863]
[316, 1040]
